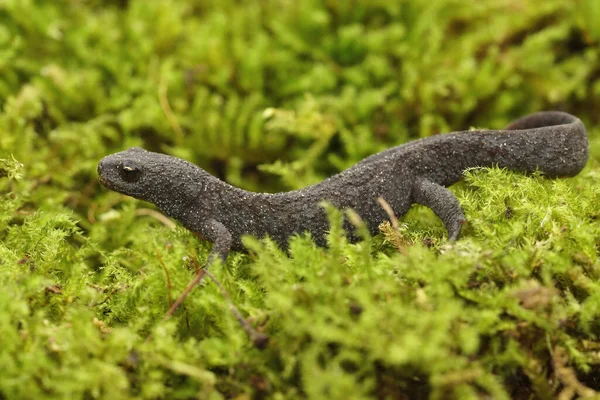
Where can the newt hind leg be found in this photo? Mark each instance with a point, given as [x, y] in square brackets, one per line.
[442, 202]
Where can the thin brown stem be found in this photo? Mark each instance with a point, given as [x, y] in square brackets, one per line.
[157, 216]
[197, 279]
[164, 267]
[260, 340]
[390, 212]
[166, 107]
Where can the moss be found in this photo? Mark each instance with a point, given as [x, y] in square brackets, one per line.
[273, 96]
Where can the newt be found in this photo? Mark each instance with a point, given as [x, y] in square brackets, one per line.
[552, 142]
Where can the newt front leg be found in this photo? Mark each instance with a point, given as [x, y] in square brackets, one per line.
[220, 236]
[442, 202]
[217, 233]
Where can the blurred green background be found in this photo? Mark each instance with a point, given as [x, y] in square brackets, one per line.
[276, 95]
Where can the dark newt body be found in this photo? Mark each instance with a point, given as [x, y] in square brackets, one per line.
[554, 143]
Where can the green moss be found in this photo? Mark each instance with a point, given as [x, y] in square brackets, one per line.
[272, 96]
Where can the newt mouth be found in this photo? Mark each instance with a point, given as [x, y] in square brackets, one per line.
[101, 175]
[106, 182]
[102, 180]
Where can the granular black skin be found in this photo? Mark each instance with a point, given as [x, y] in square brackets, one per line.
[553, 142]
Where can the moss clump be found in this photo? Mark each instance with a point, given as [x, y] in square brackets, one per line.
[275, 96]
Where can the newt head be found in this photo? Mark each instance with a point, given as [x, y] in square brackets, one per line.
[126, 172]
[176, 186]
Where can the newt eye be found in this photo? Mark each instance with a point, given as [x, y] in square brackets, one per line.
[130, 173]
